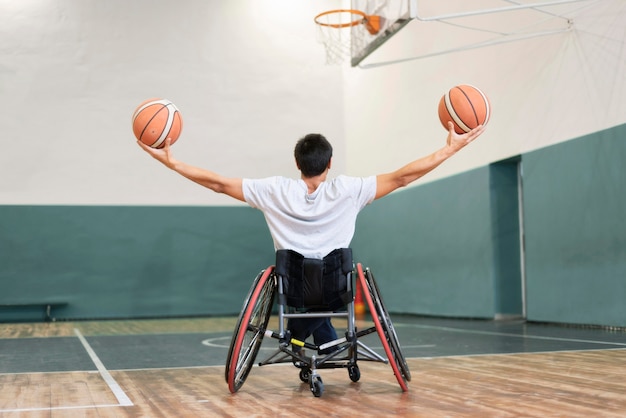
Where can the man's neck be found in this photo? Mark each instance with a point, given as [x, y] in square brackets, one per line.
[312, 183]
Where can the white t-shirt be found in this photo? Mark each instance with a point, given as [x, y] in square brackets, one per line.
[311, 224]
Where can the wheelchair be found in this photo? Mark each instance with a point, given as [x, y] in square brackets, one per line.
[307, 288]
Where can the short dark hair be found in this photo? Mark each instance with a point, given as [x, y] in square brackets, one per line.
[313, 153]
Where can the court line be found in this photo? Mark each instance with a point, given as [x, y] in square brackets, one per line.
[211, 342]
[507, 334]
[516, 353]
[221, 366]
[256, 366]
[111, 383]
[57, 408]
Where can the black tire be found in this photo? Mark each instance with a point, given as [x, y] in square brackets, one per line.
[250, 329]
[317, 386]
[354, 373]
[390, 331]
[305, 375]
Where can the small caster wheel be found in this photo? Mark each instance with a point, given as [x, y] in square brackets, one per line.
[317, 386]
[354, 373]
[305, 375]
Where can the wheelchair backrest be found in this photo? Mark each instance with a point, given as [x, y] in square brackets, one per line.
[315, 284]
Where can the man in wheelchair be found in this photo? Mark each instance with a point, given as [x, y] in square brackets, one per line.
[313, 217]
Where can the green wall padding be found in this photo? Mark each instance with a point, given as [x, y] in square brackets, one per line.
[446, 248]
[118, 262]
[575, 218]
[430, 247]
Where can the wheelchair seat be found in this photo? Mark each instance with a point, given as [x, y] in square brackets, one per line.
[312, 288]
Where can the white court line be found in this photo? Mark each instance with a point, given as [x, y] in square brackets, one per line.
[115, 388]
[506, 334]
[106, 376]
[57, 408]
[211, 342]
[515, 353]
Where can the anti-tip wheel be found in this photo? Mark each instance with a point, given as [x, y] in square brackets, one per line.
[305, 375]
[354, 373]
[317, 386]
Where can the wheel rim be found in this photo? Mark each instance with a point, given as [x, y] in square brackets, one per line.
[250, 330]
[389, 329]
[381, 329]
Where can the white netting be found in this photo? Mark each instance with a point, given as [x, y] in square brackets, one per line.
[343, 32]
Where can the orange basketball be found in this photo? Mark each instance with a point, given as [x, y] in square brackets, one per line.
[466, 106]
[155, 120]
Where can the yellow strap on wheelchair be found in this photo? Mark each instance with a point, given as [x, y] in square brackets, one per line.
[297, 342]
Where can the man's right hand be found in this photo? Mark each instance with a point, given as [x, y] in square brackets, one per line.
[164, 155]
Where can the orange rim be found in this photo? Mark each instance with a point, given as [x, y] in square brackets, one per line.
[341, 25]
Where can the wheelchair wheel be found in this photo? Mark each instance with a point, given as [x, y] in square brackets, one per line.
[250, 329]
[354, 373]
[305, 375]
[390, 330]
[317, 386]
[384, 327]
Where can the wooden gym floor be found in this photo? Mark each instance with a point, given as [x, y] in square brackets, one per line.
[174, 368]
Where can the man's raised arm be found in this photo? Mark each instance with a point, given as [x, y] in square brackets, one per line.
[387, 183]
[219, 184]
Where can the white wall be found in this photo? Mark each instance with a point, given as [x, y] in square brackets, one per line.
[248, 76]
[250, 79]
[543, 90]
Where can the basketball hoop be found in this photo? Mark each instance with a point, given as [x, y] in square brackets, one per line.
[343, 31]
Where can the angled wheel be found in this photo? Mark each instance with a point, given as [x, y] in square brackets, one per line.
[384, 327]
[250, 329]
[388, 325]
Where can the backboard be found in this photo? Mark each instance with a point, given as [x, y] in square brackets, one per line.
[459, 24]
[394, 15]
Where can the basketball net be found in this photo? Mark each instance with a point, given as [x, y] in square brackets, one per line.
[344, 32]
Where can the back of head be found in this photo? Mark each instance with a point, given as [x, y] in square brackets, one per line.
[313, 153]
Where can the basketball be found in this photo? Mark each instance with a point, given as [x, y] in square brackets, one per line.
[466, 106]
[155, 120]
